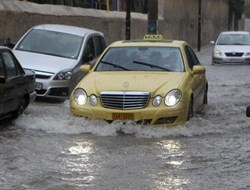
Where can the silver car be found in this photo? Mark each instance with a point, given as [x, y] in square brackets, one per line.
[232, 47]
[55, 53]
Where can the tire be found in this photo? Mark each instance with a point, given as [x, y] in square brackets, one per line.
[190, 109]
[21, 108]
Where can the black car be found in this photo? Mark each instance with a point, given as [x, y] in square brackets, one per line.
[17, 86]
[248, 111]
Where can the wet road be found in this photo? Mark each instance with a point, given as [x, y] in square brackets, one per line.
[47, 149]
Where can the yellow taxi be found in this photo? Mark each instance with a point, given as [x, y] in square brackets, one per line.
[151, 81]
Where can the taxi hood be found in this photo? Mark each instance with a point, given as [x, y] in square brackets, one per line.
[153, 82]
[42, 62]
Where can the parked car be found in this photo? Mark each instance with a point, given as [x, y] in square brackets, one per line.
[231, 47]
[248, 111]
[151, 81]
[56, 52]
[17, 86]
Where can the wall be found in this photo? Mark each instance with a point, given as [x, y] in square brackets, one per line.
[177, 19]
[17, 17]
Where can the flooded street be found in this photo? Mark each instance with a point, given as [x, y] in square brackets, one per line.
[48, 149]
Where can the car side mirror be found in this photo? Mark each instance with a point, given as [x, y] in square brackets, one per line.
[2, 79]
[212, 42]
[198, 70]
[85, 68]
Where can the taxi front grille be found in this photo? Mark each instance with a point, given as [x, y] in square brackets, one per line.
[125, 100]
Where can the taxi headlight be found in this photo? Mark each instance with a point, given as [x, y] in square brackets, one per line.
[63, 75]
[80, 96]
[157, 101]
[93, 100]
[173, 97]
[217, 53]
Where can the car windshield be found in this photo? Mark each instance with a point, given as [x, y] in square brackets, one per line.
[52, 43]
[234, 39]
[141, 59]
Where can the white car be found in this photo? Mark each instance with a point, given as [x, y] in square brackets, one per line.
[232, 47]
[55, 53]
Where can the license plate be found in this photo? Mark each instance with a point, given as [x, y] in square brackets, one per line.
[123, 116]
[38, 86]
[235, 60]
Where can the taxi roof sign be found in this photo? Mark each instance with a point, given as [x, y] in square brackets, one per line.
[153, 37]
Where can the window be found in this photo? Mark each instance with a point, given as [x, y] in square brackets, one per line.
[191, 57]
[52, 43]
[99, 45]
[9, 61]
[160, 59]
[89, 51]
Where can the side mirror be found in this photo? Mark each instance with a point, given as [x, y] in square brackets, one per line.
[85, 68]
[2, 79]
[212, 42]
[199, 69]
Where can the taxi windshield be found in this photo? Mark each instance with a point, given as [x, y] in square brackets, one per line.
[142, 59]
[52, 43]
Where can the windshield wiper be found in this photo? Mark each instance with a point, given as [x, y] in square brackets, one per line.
[223, 44]
[151, 65]
[114, 65]
[239, 44]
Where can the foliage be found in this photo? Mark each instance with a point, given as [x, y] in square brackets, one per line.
[247, 10]
[238, 7]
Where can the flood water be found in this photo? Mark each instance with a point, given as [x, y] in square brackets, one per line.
[47, 149]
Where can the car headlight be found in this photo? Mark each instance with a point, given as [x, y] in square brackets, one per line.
[80, 96]
[217, 53]
[173, 97]
[247, 54]
[93, 100]
[63, 75]
[157, 101]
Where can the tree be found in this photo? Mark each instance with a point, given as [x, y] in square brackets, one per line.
[238, 7]
[247, 10]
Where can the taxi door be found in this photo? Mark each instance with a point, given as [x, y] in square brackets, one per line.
[199, 80]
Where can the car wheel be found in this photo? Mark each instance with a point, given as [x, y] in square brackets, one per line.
[248, 111]
[190, 109]
[21, 108]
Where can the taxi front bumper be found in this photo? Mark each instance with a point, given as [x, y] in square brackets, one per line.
[162, 115]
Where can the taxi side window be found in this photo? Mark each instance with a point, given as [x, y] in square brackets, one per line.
[191, 57]
[11, 70]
